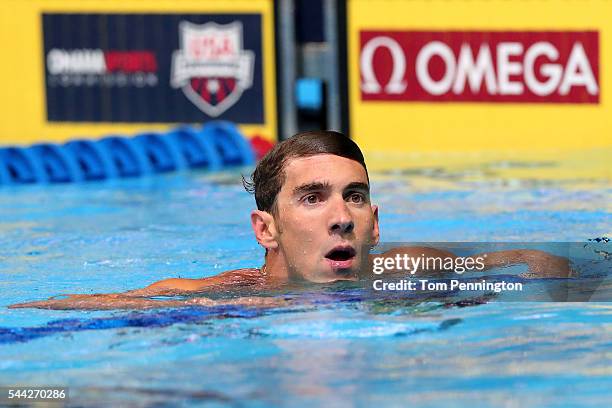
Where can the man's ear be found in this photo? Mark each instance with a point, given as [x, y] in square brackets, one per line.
[264, 228]
[375, 230]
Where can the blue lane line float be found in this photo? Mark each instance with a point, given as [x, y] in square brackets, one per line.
[127, 157]
[54, 164]
[5, 177]
[230, 144]
[19, 165]
[197, 151]
[214, 146]
[93, 162]
[163, 155]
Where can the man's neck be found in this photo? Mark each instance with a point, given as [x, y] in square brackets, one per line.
[275, 267]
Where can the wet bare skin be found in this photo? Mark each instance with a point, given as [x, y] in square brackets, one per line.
[140, 298]
[323, 206]
[540, 264]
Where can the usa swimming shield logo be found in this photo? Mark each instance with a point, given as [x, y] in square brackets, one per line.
[211, 67]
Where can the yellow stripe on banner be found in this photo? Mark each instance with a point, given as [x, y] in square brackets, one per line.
[405, 126]
[22, 105]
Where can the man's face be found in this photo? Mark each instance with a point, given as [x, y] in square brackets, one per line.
[325, 222]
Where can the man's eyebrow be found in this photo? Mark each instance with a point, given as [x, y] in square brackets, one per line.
[310, 187]
[358, 186]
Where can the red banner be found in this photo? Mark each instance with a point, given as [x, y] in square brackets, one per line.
[480, 66]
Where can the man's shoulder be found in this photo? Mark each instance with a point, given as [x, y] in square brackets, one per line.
[244, 276]
[232, 278]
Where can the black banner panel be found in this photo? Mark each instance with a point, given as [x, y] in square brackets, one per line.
[153, 68]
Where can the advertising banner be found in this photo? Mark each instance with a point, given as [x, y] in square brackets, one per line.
[98, 68]
[472, 75]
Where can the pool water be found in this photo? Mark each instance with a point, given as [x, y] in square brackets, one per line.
[344, 350]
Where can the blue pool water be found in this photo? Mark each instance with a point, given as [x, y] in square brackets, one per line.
[344, 351]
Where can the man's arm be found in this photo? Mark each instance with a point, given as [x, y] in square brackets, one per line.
[541, 264]
[170, 287]
[118, 301]
[98, 302]
[139, 298]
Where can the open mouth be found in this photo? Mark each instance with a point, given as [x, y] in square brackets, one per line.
[341, 254]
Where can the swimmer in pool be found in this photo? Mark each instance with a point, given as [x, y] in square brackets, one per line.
[316, 222]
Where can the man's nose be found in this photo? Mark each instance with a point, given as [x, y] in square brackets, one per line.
[341, 219]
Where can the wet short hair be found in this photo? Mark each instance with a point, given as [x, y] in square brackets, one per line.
[269, 175]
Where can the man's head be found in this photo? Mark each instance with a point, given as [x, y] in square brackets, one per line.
[314, 214]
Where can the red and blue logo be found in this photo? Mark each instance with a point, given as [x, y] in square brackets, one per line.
[212, 68]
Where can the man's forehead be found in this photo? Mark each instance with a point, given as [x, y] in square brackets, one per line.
[323, 168]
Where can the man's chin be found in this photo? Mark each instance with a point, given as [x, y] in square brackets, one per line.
[336, 271]
[336, 277]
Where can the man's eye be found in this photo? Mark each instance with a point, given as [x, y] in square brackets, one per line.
[311, 199]
[357, 198]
